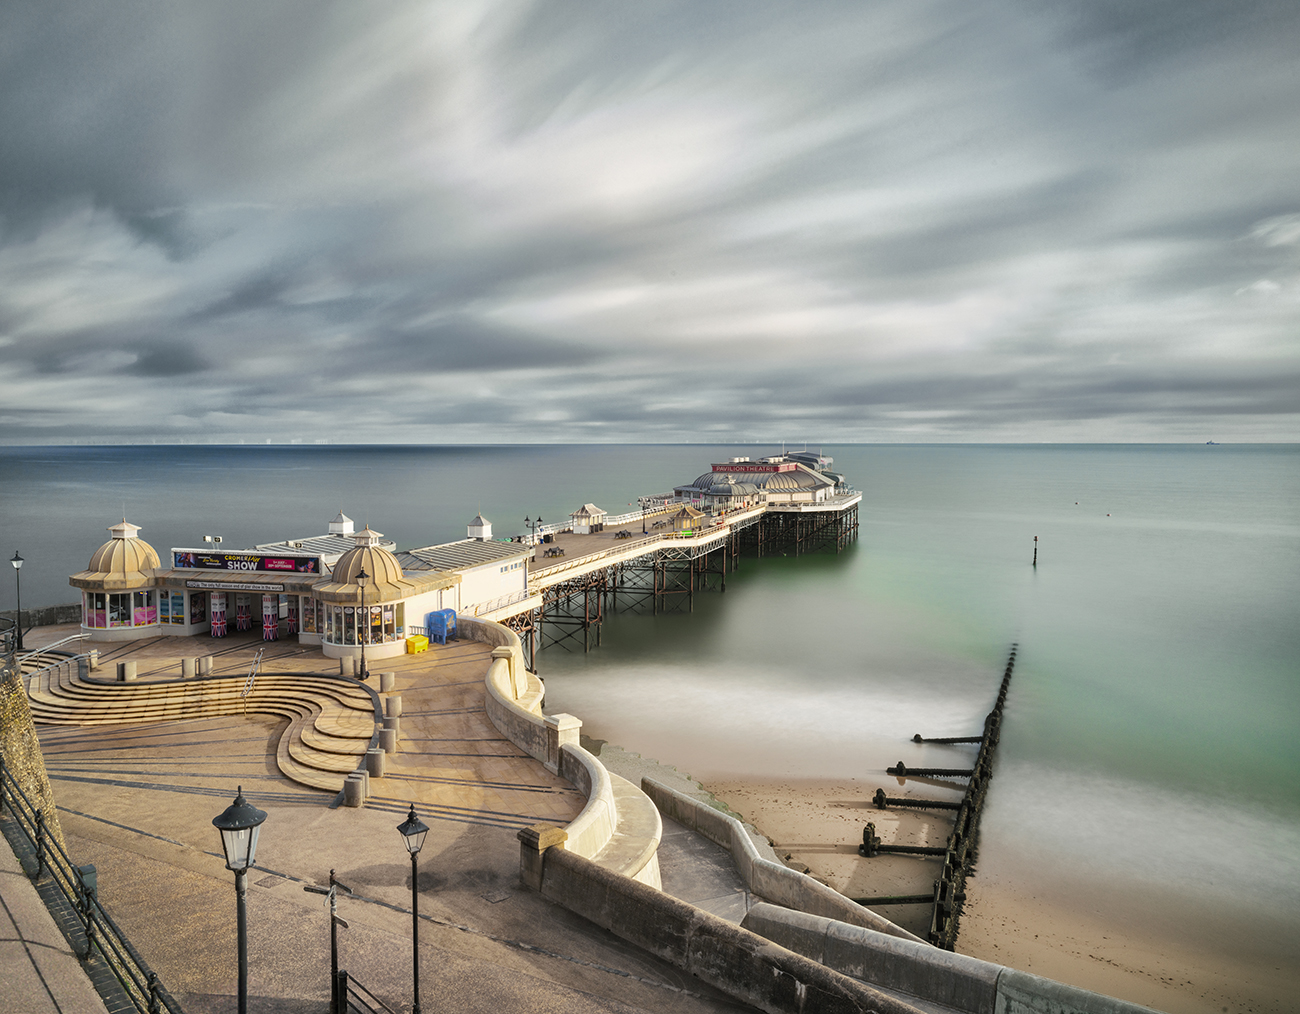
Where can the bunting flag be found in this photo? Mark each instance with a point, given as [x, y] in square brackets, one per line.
[217, 608]
[270, 617]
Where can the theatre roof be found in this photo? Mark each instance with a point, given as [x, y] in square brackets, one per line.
[331, 547]
[461, 555]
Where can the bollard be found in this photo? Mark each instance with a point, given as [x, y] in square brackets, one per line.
[345, 667]
[125, 671]
[353, 791]
[364, 775]
[394, 723]
[388, 740]
[387, 682]
[92, 659]
[83, 668]
[187, 668]
[393, 706]
[375, 762]
[204, 665]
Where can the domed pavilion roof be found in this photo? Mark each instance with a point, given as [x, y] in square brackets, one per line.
[384, 582]
[123, 562]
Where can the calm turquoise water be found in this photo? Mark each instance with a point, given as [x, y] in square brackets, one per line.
[1152, 722]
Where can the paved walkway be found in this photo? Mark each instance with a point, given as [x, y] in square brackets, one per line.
[138, 802]
[38, 971]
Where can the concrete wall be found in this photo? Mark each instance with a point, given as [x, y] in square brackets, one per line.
[734, 960]
[591, 830]
[925, 972]
[46, 616]
[513, 702]
[764, 876]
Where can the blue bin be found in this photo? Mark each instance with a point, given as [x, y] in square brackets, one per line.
[441, 624]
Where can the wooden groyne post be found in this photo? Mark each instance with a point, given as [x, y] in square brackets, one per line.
[959, 851]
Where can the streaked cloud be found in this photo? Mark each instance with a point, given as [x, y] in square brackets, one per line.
[503, 220]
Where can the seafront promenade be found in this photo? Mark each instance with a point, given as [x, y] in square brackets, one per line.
[138, 802]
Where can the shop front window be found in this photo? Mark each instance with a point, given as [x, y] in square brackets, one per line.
[119, 609]
[178, 607]
[349, 625]
[96, 615]
[144, 612]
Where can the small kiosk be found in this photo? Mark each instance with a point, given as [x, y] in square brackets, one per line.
[118, 599]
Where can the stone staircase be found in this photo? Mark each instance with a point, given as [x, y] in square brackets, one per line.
[332, 719]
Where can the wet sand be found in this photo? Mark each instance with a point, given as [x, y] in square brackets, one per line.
[1120, 946]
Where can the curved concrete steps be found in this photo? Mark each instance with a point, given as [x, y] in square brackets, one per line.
[330, 721]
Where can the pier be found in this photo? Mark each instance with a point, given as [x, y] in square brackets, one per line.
[575, 579]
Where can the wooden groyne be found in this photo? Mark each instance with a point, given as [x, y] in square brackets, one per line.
[959, 852]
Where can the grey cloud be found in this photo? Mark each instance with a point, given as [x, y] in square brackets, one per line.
[935, 211]
[176, 360]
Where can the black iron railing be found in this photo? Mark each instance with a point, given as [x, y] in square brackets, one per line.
[70, 892]
[356, 999]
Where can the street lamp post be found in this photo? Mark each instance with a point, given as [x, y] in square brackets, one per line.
[363, 630]
[239, 825]
[18, 561]
[532, 526]
[413, 833]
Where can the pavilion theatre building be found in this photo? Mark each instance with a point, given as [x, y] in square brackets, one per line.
[339, 591]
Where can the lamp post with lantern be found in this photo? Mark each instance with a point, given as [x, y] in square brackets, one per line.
[239, 825]
[363, 629]
[18, 562]
[413, 832]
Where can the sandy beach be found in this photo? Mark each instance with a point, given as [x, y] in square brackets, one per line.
[1076, 935]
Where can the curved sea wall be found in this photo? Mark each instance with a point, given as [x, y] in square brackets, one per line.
[764, 877]
[619, 829]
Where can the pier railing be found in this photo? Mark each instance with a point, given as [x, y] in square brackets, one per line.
[585, 561]
[482, 608]
[70, 893]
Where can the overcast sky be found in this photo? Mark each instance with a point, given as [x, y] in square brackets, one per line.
[578, 221]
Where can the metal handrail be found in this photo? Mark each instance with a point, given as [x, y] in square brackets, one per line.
[50, 647]
[355, 997]
[101, 934]
[8, 635]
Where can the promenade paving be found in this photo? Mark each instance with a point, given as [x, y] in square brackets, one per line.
[138, 802]
[39, 973]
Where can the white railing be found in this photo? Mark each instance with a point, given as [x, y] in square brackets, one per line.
[637, 515]
[480, 608]
[583, 561]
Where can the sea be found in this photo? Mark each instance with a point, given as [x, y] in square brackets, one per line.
[1150, 754]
